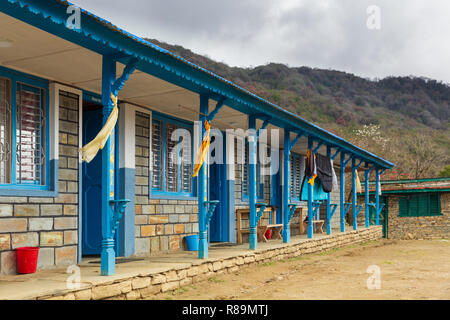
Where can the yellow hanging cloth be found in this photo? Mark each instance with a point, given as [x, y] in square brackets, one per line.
[358, 183]
[89, 151]
[202, 152]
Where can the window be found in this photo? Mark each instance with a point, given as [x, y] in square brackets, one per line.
[171, 157]
[246, 177]
[5, 131]
[296, 173]
[23, 133]
[420, 205]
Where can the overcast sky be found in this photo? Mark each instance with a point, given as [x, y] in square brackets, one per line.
[413, 38]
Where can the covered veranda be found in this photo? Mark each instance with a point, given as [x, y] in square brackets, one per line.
[99, 57]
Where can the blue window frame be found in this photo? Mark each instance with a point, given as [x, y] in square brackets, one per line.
[172, 158]
[245, 176]
[296, 172]
[24, 134]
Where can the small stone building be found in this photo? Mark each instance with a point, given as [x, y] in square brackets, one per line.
[415, 209]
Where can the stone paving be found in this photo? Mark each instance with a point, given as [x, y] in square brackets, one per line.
[140, 278]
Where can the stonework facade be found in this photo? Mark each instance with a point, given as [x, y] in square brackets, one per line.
[161, 224]
[48, 223]
[414, 227]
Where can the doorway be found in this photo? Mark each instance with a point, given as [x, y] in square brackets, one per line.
[218, 190]
[91, 232]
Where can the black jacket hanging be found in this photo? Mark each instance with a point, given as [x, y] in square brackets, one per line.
[324, 172]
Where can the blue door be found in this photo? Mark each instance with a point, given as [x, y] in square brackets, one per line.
[218, 190]
[92, 188]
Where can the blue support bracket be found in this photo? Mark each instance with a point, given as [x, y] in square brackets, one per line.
[210, 207]
[263, 126]
[345, 162]
[333, 209]
[118, 211]
[293, 142]
[120, 82]
[320, 143]
[335, 154]
[358, 210]
[347, 206]
[261, 206]
[292, 207]
[380, 209]
[356, 166]
[216, 110]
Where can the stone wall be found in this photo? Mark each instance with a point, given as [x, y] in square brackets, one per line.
[434, 227]
[146, 285]
[161, 225]
[48, 223]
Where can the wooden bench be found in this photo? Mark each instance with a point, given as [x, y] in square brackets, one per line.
[246, 211]
[317, 225]
[274, 227]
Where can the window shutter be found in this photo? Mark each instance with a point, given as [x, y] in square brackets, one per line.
[171, 160]
[422, 206]
[5, 131]
[156, 154]
[435, 204]
[186, 156]
[403, 206]
[30, 124]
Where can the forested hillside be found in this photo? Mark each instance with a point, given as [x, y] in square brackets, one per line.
[404, 119]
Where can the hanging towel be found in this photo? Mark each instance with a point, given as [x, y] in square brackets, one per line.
[379, 187]
[89, 151]
[335, 181]
[358, 182]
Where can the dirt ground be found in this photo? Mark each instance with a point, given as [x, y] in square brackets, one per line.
[408, 270]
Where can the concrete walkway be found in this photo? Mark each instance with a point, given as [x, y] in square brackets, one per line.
[53, 282]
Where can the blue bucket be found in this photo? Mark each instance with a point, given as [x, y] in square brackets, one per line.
[192, 242]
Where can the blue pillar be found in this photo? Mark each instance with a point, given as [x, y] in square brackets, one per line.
[286, 180]
[107, 254]
[342, 192]
[310, 195]
[377, 196]
[202, 227]
[252, 180]
[366, 188]
[355, 222]
[329, 200]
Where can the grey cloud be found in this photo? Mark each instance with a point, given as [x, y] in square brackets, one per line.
[413, 39]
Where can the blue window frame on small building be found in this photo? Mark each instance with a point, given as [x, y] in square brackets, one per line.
[172, 158]
[24, 135]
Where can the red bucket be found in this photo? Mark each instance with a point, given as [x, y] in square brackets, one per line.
[268, 234]
[27, 258]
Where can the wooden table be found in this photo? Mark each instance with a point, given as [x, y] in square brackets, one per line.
[276, 229]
